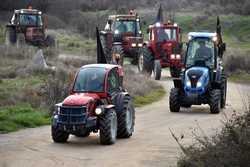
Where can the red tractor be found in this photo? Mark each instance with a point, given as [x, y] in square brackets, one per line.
[122, 37]
[97, 102]
[28, 26]
[164, 49]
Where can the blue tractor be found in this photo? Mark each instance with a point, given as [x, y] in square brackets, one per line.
[203, 79]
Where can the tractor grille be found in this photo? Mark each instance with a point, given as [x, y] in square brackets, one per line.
[72, 115]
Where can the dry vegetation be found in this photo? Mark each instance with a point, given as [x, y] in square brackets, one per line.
[231, 147]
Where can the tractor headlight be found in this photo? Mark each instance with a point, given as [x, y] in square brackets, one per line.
[188, 83]
[133, 44]
[139, 44]
[178, 56]
[172, 56]
[116, 31]
[199, 84]
[157, 24]
[98, 111]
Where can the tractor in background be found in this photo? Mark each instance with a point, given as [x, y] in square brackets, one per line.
[28, 26]
[163, 49]
[122, 37]
[203, 79]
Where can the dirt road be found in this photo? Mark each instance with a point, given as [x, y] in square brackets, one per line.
[151, 145]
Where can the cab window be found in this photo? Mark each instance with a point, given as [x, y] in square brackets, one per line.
[113, 81]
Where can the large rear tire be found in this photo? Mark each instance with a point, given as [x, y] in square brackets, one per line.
[146, 61]
[215, 101]
[117, 54]
[10, 36]
[58, 135]
[108, 127]
[50, 41]
[174, 102]
[20, 41]
[157, 69]
[174, 72]
[126, 118]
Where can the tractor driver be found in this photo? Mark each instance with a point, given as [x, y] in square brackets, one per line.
[95, 83]
[122, 27]
[203, 52]
[162, 35]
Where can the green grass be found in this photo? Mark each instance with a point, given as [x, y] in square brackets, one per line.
[21, 116]
[2, 37]
[241, 77]
[154, 96]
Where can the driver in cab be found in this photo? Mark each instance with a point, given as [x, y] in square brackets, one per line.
[203, 52]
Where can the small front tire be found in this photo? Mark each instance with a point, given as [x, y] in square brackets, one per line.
[174, 102]
[58, 135]
[215, 101]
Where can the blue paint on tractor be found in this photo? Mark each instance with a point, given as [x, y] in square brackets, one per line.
[196, 81]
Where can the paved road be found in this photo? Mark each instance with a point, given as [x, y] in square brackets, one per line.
[150, 145]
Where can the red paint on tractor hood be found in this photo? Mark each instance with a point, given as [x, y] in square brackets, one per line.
[79, 99]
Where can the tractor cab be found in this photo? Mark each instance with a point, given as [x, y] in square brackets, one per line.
[166, 42]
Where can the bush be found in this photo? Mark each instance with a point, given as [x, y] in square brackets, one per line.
[229, 148]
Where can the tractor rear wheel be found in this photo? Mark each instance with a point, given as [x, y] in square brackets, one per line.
[10, 36]
[224, 91]
[50, 41]
[58, 135]
[174, 101]
[146, 61]
[108, 127]
[20, 41]
[157, 70]
[126, 118]
[117, 54]
[174, 72]
[215, 101]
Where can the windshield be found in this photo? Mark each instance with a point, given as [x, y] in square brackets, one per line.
[124, 26]
[30, 20]
[200, 52]
[90, 80]
[166, 34]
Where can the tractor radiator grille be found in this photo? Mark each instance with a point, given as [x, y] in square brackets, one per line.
[72, 115]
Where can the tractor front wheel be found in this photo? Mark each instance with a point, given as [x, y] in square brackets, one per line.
[157, 70]
[126, 119]
[174, 101]
[108, 127]
[215, 101]
[58, 135]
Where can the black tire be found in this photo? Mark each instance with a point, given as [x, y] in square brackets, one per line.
[215, 101]
[108, 127]
[224, 91]
[174, 72]
[126, 118]
[10, 36]
[20, 41]
[58, 135]
[174, 102]
[146, 61]
[157, 69]
[50, 41]
[117, 51]
[82, 134]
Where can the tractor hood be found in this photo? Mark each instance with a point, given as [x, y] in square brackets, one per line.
[196, 80]
[80, 99]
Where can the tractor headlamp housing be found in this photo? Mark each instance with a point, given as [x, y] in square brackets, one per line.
[178, 56]
[133, 44]
[99, 110]
[117, 32]
[199, 84]
[172, 56]
[140, 44]
[158, 24]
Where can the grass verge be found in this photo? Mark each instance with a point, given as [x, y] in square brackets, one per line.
[21, 116]
[241, 77]
[153, 96]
